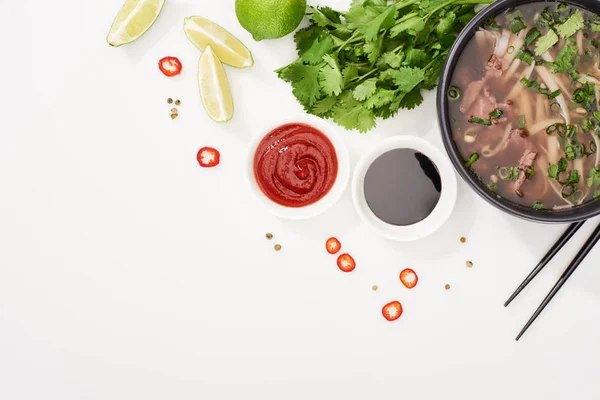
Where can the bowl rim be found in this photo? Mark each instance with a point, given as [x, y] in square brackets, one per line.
[440, 213]
[574, 214]
[327, 201]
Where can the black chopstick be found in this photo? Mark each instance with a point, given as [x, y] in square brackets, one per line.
[571, 230]
[587, 247]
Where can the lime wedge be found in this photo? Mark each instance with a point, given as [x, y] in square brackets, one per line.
[227, 47]
[134, 19]
[214, 88]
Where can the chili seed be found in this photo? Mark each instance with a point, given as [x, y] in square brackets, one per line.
[447, 287]
[174, 110]
[269, 236]
[174, 115]
[177, 102]
[463, 239]
[170, 100]
[374, 288]
[277, 247]
[469, 264]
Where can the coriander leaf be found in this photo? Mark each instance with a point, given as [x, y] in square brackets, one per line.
[321, 46]
[389, 74]
[594, 177]
[349, 73]
[305, 81]
[359, 15]
[365, 89]
[545, 42]
[330, 77]
[390, 58]
[431, 76]
[351, 114]
[416, 58]
[305, 38]
[373, 49]
[446, 23]
[595, 26]
[384, 21]
[571, 25]
[380, 98]
[596, 194]
[412, 25]
[538, 205]
[324, 106]
[324, 16]
[597, 116]
[411, 99]
[408, 78]
[564, 61]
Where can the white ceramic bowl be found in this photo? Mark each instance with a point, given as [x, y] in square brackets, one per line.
[440, 213]
[338, 186]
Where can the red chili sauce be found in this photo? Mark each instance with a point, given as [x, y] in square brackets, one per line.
[295, 165]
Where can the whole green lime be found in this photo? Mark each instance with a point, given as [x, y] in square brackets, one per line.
[270, 19]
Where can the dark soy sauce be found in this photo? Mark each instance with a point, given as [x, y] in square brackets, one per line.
[402, 187]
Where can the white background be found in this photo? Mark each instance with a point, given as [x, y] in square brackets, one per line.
[128, 272]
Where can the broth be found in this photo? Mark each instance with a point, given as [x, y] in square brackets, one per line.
[524, 111]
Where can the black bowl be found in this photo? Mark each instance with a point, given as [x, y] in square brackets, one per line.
[578, 213]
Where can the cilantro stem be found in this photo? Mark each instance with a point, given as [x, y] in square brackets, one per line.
[354, 36]
[400, 5]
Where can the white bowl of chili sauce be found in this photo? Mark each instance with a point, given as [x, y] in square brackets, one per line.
[298, 167]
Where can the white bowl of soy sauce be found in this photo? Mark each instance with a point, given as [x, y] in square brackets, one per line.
[404, 188]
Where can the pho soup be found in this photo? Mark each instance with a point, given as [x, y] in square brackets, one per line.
[523, 105]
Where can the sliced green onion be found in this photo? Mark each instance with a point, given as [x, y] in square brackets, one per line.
[497, 113]
[508, 173]
[558, 128]
[529, 172]
[477, 120]
[567, 190]
[538, 205]
[574, 176]
[474, 157]
[521, 122]
[532, 35]
[554, 94]
[577, 196]
[571, 131]
[553, 171]
[555, 107]
[511, 49]
[562, 165]
[570, 153]
[453, 93]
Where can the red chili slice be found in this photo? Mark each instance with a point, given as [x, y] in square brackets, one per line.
[333, 245]
[170, 66]
[346, 263]
[208, 157]
[409, 278]
[392, 311]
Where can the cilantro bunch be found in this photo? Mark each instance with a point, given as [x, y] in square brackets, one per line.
[374, 59]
